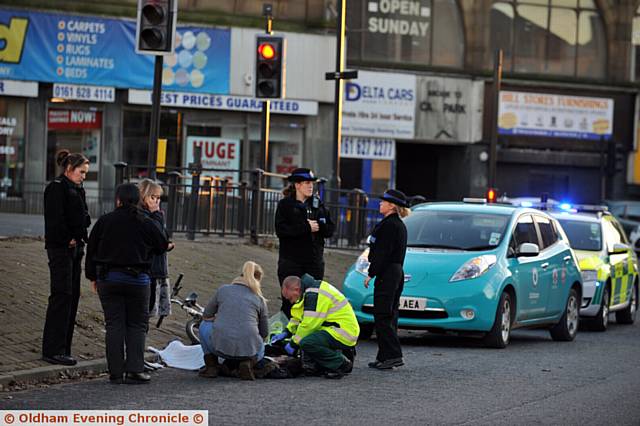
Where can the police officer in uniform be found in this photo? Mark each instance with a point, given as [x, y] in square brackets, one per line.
[302, 223]
[388, 245]
[66, 219]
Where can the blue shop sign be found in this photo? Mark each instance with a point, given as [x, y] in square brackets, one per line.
[98, 51]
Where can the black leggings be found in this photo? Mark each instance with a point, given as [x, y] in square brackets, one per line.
[65, 269]
[386, 298]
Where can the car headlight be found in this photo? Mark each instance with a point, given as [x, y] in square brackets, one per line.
[362, 264]
[589, 276]
[475, 267]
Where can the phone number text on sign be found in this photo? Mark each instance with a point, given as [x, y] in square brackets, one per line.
[84, 93]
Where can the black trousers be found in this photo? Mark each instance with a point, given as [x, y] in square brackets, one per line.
[65, 271]
[386, 299]
[287, 267]
[126, 314]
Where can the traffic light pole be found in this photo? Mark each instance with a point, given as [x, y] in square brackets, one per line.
[493, 149]
[334, 181]
[154, 131]
[265, 119]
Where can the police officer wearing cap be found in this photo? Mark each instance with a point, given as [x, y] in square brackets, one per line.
[388, 245]
[302, 223]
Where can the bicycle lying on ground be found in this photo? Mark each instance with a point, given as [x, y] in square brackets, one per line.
[190, 305]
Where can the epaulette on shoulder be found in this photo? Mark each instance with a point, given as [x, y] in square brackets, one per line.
[57, 180]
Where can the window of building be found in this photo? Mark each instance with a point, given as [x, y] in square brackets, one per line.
[135, 133]
[12, 146]
[424, 32]
[76, 130]
[635, 40]
[560, 37]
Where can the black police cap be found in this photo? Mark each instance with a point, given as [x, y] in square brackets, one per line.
[396, 197]
[302, 175]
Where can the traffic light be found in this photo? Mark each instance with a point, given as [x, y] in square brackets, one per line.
[492, 195]
[270, 67]
[156, 26]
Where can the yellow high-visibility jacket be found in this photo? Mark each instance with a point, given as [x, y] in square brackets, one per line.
[323, 307]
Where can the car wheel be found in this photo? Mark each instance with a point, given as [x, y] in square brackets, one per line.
[600, 322]
[366, 330]
[567, 328]
[498, 336]
[628, 314]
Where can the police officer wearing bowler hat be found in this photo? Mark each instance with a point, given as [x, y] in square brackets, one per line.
[388, 245]
[302, 223]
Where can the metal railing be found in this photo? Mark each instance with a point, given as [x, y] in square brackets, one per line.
[196, 202]
[199, 203]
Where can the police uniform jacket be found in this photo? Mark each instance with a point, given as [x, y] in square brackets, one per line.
[123, 239]
[387, 244]
[297, 242]
[66, 216]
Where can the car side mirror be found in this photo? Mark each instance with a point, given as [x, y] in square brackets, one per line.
[528, 250]
[619, 248]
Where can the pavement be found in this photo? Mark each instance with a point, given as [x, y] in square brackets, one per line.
[206, 263]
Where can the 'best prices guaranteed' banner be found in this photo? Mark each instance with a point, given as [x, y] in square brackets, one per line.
[541, 114]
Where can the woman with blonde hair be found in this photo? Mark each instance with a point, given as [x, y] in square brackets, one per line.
[150, 194]
[388, 245]
[235, 324]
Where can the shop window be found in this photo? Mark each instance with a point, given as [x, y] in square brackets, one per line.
[424, 32]
[76, 130]
[12, 147]
[135, 134]
[635, 40]
[559, 37]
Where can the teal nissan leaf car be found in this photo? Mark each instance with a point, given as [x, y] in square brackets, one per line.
[477, 267]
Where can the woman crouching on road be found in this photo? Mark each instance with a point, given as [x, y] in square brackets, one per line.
[121, 246]
[235, 324]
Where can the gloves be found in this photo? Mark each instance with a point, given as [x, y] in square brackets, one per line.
[291, 349]
[279, 337]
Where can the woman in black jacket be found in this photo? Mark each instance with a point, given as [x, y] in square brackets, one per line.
[121, 246]
[66, 219]
[388, 245]
[302, 223]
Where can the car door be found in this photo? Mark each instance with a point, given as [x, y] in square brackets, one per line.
[525, 270]
[620, 282]
[553, 256]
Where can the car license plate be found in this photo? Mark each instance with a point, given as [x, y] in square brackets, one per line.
[413, 303]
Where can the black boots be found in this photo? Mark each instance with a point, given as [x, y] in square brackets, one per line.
[210, 369]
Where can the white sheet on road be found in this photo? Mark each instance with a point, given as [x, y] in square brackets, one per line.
[181, 356]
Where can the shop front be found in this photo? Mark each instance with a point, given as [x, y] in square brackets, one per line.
[563, 143]
[13, 137]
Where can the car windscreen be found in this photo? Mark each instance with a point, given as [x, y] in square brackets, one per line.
[455, 230]
[583, 235]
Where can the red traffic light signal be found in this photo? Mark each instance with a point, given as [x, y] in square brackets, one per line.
[270, 67]
[156, 26]
[492, 195]
[266, 51]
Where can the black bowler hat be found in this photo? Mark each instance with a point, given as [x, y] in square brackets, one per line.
[396, 197]
[302, 175]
